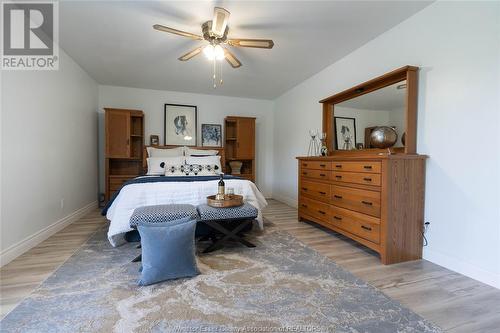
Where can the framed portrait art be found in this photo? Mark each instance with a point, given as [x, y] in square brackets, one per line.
[180, 124]
[211, 135]
[345, 133]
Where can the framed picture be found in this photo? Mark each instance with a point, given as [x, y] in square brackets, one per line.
[154, 140]
[180, 124]
[345, 133]
[211, 135]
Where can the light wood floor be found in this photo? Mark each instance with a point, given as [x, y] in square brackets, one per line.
[452, 301]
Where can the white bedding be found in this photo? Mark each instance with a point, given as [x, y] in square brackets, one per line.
[194, 193]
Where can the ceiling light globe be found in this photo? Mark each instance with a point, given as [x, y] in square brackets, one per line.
[219, 52]
[209, 52]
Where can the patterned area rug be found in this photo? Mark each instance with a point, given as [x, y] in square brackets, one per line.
[281, 285]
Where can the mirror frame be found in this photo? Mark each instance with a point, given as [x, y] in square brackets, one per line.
[408, 73]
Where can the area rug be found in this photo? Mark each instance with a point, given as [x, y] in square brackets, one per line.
[281, 285]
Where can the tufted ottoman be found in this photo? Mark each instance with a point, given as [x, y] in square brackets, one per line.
[160, 214]
[229, 221]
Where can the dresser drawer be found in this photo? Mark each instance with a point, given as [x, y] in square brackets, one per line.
[358, 166]
[361, 225]
[318, 165]
[315, 209]
[363, 201]
[316, 174]
[318, 191]
[356, 178]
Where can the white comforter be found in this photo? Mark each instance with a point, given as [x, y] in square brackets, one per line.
[194, 193]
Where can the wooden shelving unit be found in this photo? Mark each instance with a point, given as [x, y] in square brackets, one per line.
[239, 133]
[124, 147]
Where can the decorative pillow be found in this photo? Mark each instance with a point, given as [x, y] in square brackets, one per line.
[170, 152]
[207, 160]
[200, 152]
[168, 250]
[193, 170]
[156, 165]
[174, 170]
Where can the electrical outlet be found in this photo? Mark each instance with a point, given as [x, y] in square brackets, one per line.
[62, 203]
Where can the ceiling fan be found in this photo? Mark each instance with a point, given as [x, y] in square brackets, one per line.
[215, 33]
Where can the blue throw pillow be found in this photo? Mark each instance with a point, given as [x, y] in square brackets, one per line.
[168, 250]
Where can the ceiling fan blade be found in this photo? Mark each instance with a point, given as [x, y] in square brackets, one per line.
[219, 22]
[258, 43]
[163, 28]
[191, 54]
[231, 59]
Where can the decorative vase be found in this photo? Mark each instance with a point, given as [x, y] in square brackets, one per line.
[383, 137]
[235, 167]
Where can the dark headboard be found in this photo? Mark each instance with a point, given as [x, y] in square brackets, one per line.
[219, 149]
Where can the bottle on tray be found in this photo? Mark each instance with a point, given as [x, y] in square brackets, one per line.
[221, 188]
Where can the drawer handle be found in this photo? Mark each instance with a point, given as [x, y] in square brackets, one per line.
[338, 177]
[305, 206]
[337, 218]
[304, 164]
[321, 212]
[304, 173]
[367, 203]
[367, 179]
[367, 167]
[322, 165]
[304, 189]
[322, 193]
[322, 175]
[337, 196]
[366, 228]
[338, 166]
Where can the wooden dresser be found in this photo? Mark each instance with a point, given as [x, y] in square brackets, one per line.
[377, 201]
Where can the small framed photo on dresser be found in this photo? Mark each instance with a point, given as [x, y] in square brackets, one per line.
[180, 124]
[211, 135]
[154, 140]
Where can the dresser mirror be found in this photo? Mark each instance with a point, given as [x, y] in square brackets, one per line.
[373, 116]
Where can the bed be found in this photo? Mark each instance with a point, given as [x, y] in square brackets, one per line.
[159, 189]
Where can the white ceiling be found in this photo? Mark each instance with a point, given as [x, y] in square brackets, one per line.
[115, 43]
[389, 98]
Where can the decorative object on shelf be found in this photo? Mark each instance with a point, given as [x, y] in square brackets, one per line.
[403, 139]
[215, 32]
[228, 201]
[324, 148]
[180, 123]
[211, 135]
[359, 146]
[235, 167]
[314, 145]
[345, 133]
[154, 140]
[383, 137]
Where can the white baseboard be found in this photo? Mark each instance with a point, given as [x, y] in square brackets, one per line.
[462, 267]
[287, 200]
[26, 244]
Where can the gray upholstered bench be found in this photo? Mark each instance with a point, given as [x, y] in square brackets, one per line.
[220, 218]
[160, 214]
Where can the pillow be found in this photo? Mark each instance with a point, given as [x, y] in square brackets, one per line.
[174, 170]
[200, 152]
[206, 160]
[168, 250]
[156, 165]
[193, 170]
[170, 152]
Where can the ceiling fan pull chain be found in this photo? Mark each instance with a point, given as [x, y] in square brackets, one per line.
[221, 82]
[213, 76]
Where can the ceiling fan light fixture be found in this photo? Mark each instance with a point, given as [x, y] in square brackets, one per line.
[213, 52]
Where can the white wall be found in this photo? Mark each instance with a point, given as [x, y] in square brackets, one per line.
[49, 151]
[456, 45]
[211, 110]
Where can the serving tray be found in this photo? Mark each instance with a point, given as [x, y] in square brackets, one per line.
[232, 200]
